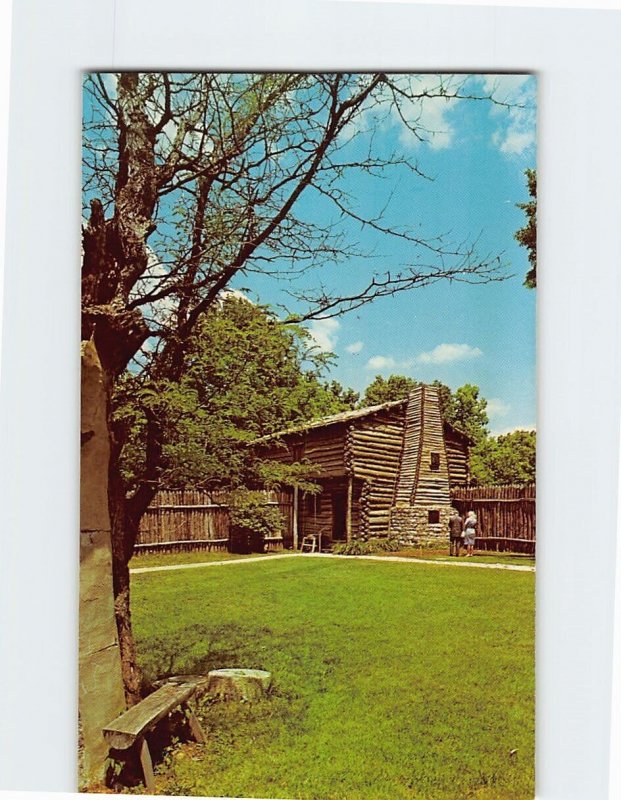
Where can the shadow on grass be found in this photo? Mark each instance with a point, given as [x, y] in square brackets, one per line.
[197, 649]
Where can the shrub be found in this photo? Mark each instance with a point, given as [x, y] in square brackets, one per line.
[252, 519]
[357, 547]
[390, 545]
[360, 547]
[250, 511]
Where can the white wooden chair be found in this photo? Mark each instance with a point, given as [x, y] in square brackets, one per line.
[310, 543]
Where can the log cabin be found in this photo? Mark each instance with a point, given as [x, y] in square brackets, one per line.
[385, 470]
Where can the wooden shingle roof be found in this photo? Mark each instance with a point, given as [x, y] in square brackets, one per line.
[333, 419]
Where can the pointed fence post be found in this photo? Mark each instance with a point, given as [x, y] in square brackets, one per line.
[295, 517]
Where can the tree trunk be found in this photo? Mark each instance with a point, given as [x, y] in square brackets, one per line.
[132, 676]
[125, 515]
[123, 540]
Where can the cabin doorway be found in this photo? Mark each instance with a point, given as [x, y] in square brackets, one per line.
[339, 516]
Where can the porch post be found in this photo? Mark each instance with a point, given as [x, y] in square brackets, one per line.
[350, 498]
[295, 517]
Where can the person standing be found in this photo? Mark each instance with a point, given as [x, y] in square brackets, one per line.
[470, 529]
[456, 531]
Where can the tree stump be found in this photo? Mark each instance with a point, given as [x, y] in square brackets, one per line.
[239, 684]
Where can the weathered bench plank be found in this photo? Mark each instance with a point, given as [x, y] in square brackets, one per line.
[147, 767]
[138, 720]
[131, 727]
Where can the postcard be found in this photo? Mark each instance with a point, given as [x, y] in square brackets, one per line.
[308, 434]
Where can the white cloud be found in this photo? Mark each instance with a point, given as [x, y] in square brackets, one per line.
[446, 353]
[514, 142]
[110, 81]
[427, 114]
[323, 332]
[441, 354]
[224, 293]
[431, 115]
[516, 132]
[354, 347]
[505, 86]
[170, 129]
[156, 278]
[381, 362]
[497, 407]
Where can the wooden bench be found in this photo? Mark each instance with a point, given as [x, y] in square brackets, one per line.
[132, 726]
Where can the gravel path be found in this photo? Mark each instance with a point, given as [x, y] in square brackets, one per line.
[461, 562]
[469, 564]
[136, 570]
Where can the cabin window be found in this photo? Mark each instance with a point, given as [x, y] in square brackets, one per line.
[435, 461]
[433, 517]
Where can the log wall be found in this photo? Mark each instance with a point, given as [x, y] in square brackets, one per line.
[421, 500]
[506, 516]
[356, 516]
[456, 457]
[280, 451]
[373, 453]
[315, 515]
[326, 448]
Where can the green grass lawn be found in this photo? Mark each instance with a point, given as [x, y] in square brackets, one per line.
[390, 680]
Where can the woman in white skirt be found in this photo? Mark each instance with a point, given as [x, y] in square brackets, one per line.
[470, 529]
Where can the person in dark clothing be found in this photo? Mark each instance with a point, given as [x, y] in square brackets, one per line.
[456, 531]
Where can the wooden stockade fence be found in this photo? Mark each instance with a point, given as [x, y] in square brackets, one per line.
[505, 514]
[187, 519]
[199, 520]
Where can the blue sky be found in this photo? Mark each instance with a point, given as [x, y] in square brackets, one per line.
[457, 333]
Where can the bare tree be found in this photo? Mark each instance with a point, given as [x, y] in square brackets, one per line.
[193, 179]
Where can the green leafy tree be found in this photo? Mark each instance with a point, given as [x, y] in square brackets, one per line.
[384, 390]
[516, 459]
[245, 375]
[480, 462]
[346, 397]
[508, 458]
[466, 412]
[527, 236]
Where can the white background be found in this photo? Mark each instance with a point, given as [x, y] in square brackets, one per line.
[575, 53]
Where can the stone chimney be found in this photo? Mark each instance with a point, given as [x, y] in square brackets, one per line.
[422, 504]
